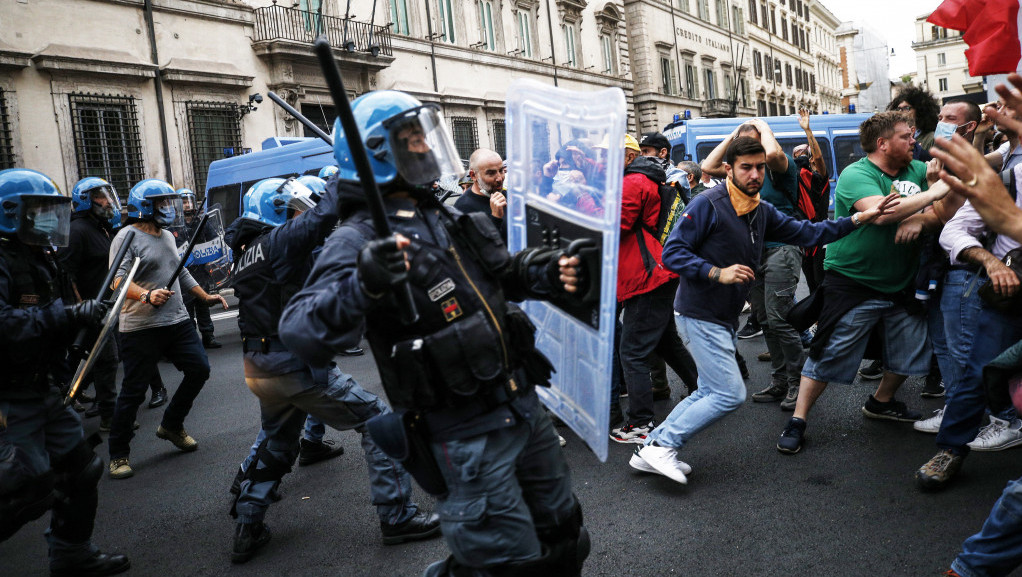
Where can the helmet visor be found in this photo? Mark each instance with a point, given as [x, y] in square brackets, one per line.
[168, 211]
[45, 220]
[422, 146]
[301, 198]
[104, 201]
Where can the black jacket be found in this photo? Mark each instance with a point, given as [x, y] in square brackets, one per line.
[87, 254]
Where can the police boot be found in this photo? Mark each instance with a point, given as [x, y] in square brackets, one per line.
[209, 341]
[313, 452]
[421, 526]
[31, 499]
[96, 566]
[249, 538]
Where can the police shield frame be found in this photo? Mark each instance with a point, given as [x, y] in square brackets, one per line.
[210, 260]
[565, 165]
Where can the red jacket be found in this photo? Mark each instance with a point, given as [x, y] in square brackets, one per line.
[640, 204]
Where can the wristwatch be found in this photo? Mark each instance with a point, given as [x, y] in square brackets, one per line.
[144, 297]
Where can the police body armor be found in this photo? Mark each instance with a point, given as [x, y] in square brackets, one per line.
[35, 284]
[261, 296]
[465, 348]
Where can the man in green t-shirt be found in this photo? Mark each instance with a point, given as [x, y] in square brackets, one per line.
[868, 279]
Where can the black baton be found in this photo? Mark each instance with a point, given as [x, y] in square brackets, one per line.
[188, 253]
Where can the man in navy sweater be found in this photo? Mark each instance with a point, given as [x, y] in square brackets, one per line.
[715, 248]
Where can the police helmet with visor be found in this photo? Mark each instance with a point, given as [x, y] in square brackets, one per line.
[33, 209]
[96, 194]
[270, 201]
[155, 200]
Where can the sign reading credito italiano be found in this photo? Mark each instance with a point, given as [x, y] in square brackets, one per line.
[682, 33]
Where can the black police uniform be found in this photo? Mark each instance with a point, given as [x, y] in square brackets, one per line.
[85, 259]
[460, 378]
[63, 469]
[272, 266]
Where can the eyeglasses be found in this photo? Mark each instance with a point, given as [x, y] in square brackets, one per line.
[904, 108]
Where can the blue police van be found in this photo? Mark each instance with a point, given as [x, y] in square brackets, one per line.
[229, 178]
[837, 134]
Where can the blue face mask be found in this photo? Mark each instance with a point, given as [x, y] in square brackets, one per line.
[945, 130]
[165, 216]
[46, 223]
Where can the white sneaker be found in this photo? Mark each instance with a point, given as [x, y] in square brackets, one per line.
[665, 461]
[561, 440]
[931, 425]
[640, 464]
[998, 435]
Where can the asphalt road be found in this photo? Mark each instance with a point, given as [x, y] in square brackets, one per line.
[846, 505]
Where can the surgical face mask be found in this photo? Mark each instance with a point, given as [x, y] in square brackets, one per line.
[46, 223]
[945, 130]
[165, 216]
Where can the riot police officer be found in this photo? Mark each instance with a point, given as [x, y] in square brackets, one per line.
[56, 467]
[269, 269]
[467, 423]
[94, 204]
[197, 309]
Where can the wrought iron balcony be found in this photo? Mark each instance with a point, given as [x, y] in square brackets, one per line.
[273, 23]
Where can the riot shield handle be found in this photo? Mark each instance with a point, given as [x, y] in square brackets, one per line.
[587, 250]
[332, 75]
[78, 345]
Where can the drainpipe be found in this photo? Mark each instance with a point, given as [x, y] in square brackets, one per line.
[553, 49]
[159, 89]
[432, 46]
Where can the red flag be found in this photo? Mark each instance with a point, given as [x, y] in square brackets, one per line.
[990, 29]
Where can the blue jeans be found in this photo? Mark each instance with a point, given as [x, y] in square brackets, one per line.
[997, 549]
[141, 352]
[45, 431]
[962, 417]
[959, 313]
[505, 487]
[339, 401]
[721, 388]
[314, 431]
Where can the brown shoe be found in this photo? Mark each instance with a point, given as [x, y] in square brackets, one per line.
[120, 469]
[763, 357]
[938, 471]
[181, 439]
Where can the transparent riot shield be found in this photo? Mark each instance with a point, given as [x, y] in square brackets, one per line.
[565, 164]
[210, 260]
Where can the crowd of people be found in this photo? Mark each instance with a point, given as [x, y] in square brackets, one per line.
[922, 250]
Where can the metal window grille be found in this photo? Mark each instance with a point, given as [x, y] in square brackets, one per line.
[466, 137]
[6, 136]
[107, 139]
[500, 138]
[214, 130]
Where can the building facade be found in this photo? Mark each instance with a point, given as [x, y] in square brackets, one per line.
[941, 66]
[783, 61]
[160, 89]
[687, 57]
[865, 64]
[825, 51]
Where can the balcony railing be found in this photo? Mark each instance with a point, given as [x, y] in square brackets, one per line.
[718, 108]
[282, 23]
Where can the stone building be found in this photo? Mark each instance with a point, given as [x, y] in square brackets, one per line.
[941, 66]
[161, 88]
[688, 56]
[828, 67]
[783, 60]
[865, 64]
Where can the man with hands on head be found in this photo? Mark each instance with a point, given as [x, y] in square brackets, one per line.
[716, 249]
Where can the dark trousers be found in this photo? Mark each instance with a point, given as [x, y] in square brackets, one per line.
[198, 311]
[812, 267]
[141, 352]
[104, 378]
[645, 319]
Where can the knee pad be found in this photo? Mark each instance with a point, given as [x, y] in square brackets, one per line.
[78, 470]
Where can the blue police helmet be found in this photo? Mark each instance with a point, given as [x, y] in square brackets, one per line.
[315, 184]
[115, 220]
[401, 137]
[32, 207]
[81, 195]
[327, 171]
[142, 196]
[267, 201]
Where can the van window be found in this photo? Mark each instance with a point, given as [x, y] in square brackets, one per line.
[228, 197]
[847, 150]
[703, 149]
[678, 153]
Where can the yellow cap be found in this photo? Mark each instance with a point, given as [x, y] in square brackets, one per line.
[631, 143]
